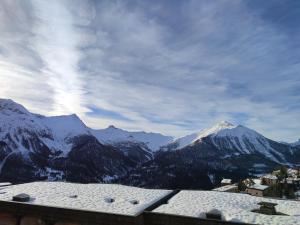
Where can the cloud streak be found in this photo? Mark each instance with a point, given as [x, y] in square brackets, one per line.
[56, 42]
[156, 67]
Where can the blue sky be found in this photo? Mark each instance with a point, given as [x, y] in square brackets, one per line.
[166, 66]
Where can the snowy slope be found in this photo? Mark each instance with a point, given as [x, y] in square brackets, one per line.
[24, 131]
[296, 143]
[66, 126]
[112, 135]
[18, 124]
[245, 140]
[14, 117]
[190, 139]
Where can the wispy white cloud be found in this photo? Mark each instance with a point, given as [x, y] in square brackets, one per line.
[168, 68]
[57, 43]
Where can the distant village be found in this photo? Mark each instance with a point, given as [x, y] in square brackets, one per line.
[282, 183]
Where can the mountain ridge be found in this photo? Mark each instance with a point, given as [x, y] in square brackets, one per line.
[34, 147]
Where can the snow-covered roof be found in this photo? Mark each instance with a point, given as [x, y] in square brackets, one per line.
[91, 197]
[5, 184]
[292, 179]
[292, 172]
[257, 181]
[226, 181]
[234, 207]
[270, 176]
[225, 188]
[259, 187]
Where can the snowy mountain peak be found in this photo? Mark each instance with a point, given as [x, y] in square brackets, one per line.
[11, 107]
[231, 139]
[66, 125]
[112, 127]
[223, 125]
[112, 135]
[191, 138]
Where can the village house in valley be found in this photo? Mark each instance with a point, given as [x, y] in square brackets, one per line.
[257, 190]
[269, 179]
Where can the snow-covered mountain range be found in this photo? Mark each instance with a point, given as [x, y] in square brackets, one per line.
[57, 131]
[113, 135]
[224, 150]
[233, 140]
[40, 142]
[62, 147]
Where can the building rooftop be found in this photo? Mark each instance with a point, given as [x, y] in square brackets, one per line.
[259, 187]
[257, 181]
[3, 184]
[226, 181]
[106, 198]
[233, 206]
[225, 188]
[270, 176]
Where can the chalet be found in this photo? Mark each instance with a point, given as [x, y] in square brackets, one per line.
[293, 172]
[293, 181]
[257, 190]
[276, 172]
[269, 179]
[249, 182]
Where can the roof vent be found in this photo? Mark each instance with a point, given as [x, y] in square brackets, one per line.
[21, 198]
[134, 202]
[268, 208]
[109, 200]
[73, 196]
[214, 214]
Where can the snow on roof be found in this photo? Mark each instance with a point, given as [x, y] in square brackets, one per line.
[270, 176]
[225, 188]
[107, 198]
[257, 181]
[259, 187]
[226, 181]
[234, 207]
[5, 184]
[292, 171]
